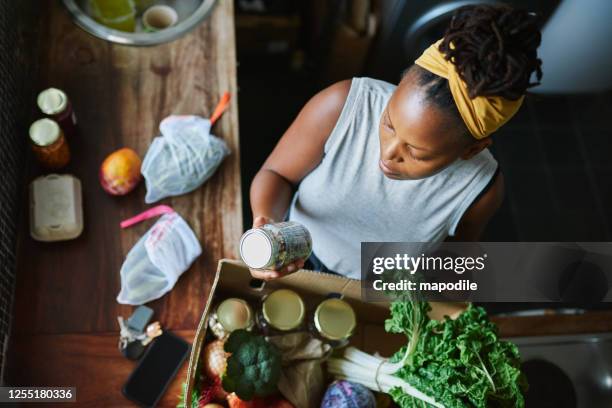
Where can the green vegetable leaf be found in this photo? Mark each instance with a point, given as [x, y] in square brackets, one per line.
[460, 363]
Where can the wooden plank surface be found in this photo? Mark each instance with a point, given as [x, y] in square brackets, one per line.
[120, 95]
[590, 322]
[90, 362]
[64, 327]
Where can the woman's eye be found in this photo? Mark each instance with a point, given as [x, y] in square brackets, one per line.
[413, 156]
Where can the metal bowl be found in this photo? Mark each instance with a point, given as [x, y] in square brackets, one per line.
[190, 14]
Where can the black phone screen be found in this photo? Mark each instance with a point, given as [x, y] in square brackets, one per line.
[156, 369]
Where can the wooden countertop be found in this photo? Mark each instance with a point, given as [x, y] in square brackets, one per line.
[65, 330]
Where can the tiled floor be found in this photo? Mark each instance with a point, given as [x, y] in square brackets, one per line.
[556, 155]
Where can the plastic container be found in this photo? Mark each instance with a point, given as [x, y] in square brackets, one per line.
[56, 210]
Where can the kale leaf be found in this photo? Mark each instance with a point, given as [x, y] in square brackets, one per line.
[460, 363]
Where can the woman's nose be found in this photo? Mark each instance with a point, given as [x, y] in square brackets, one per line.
[392, 152]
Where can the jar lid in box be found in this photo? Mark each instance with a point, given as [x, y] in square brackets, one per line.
[56, 210]
[335, 319]
[234, 314]
[284, 309]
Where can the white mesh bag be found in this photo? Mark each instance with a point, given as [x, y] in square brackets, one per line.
[183, 158]
[158, 259]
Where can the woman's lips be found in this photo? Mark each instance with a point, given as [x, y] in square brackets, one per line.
[386, 169]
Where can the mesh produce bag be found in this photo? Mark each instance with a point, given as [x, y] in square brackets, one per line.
[183, 158]
[159, 258]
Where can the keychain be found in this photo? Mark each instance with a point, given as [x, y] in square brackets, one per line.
[153, 330]
[132, 344]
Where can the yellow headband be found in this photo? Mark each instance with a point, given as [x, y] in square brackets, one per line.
[482, 115]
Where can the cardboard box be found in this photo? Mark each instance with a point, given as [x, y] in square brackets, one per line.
[233, 279]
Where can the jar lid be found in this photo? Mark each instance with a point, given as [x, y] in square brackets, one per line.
[335, 319]
[256, 248]
[234, 314]
[52, 101]
[283, 309]
[44, 132]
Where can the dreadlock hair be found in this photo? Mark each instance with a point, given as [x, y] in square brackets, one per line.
[494, 48]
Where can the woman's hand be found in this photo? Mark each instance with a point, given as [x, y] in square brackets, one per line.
[269, 274]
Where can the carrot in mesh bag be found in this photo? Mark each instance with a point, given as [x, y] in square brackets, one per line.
[184, 156]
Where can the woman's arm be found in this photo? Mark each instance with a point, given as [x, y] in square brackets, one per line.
[296, 154]
[476, 218]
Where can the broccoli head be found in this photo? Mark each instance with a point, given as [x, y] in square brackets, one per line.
[254, 367]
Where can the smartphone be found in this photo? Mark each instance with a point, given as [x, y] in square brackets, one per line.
[156, 369]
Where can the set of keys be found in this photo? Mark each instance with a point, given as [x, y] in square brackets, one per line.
[137, 333]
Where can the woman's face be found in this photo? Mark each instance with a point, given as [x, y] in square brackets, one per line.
[417, 139]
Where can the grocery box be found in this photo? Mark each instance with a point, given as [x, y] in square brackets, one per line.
[233, 279]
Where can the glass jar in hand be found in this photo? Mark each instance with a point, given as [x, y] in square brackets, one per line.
[273, 246]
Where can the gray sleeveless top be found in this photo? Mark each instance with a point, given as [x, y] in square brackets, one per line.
[347, 199]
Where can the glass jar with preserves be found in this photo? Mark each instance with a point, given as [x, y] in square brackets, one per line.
[273, 246]
[231, 314]
[282, 311]
[54, 102]
[49, 144]
[333, 321]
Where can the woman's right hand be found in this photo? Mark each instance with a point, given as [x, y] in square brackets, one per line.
[269, 274]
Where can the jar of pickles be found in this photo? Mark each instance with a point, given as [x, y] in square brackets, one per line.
[333, 321]
[49, 144]
[282, 311]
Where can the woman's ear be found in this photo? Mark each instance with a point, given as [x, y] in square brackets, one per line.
[476, 147]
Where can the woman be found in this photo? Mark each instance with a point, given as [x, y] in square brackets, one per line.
[376, 162]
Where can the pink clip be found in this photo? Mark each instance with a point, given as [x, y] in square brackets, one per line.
[145, 215]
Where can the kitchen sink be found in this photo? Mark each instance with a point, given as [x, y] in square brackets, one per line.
[573, 371]
[190, 14]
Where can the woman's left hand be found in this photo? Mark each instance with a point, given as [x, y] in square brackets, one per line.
[269, 274]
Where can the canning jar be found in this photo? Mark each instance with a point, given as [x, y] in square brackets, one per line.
[333, 321]
[273, 246]
[55, 103]
[231, 314]
[49, 144]
[282, 311]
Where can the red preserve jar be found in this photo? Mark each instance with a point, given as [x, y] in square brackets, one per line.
[55, 103]
[49, 144]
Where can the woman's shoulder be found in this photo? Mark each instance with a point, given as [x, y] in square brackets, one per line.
[334, 96]
[375, 85]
